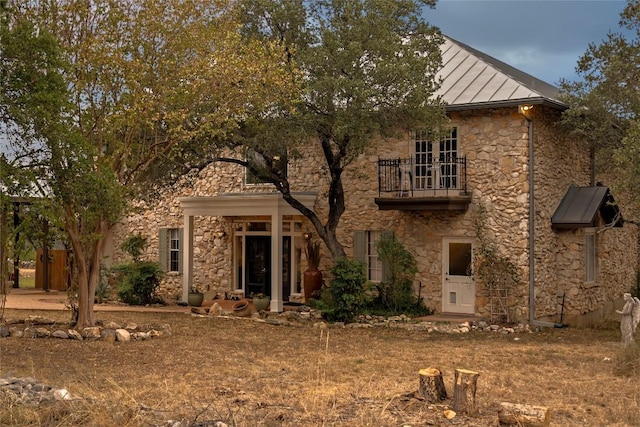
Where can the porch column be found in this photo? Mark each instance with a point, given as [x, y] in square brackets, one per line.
[187, 257]
[276, 261]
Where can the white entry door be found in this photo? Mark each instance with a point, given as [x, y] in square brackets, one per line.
[458, 287]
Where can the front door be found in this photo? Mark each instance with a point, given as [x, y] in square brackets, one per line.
[458, 287]
[258, 264]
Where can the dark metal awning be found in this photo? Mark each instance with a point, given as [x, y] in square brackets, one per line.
[580, 205]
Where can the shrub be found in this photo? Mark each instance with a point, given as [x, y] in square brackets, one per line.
[138, 282]
[395, 292]
[348, 292]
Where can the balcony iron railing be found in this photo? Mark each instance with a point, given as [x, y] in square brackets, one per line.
[414, 178]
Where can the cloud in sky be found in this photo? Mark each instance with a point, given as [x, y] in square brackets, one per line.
[544, 38]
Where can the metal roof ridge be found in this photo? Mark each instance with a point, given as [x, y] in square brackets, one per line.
[534, 85]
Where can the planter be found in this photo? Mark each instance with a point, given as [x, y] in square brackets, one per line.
[242, 309]
[312, 284]
[261, 304]
[195, 299]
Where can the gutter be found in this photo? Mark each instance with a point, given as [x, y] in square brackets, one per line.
[522, 102]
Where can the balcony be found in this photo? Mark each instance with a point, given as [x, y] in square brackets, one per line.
[420, 184]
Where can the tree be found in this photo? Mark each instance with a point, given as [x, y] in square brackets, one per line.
[31, 101]
[367, 68]
[121, 90]
[605, 105]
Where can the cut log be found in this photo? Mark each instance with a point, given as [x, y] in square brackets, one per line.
[431, 385]
[464, 391]
[523, 415]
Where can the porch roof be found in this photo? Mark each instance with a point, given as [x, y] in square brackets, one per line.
[244, 204]
[579, 206]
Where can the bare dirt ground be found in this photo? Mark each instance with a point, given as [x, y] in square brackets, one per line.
[247, 373]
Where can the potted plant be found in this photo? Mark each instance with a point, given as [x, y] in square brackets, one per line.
[195, 296]
[260, 301]
[312, 276]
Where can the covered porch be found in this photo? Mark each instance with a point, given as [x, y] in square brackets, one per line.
[269, 209]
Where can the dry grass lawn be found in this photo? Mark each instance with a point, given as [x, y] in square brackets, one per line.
[247, 373]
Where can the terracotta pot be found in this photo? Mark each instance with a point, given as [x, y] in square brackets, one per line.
[242, 309]
[312, 283]
[261, 304]
[195, 299]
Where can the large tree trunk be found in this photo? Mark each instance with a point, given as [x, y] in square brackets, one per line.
[87, 262]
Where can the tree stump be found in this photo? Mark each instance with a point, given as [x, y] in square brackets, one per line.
[523, 415]
[464, 391]
[431, 385]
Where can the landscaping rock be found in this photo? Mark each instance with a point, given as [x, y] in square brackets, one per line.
[74, 335]
[42, 333]
[123, 335]
[91, 333]
[60, 334]
[140, 335]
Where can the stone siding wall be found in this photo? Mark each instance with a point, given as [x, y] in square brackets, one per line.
[495, 143]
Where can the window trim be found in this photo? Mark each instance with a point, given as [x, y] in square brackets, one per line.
[363, 247]
[165, 249]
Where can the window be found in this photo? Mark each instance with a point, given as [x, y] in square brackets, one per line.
[590, 261]
[174, 249]
[170, 249]
[365, 250]
[278, 162]
[435, 163]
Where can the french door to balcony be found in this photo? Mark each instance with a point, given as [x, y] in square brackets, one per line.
[435, 164]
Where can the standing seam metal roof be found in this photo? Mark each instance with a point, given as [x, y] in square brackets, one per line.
[473, 79]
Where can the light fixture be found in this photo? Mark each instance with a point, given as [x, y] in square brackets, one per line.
[221, 233]
[307, 235]
[525, 109]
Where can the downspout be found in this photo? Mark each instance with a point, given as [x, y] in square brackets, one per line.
[525, 111]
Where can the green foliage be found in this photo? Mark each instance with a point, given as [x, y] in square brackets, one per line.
[134, 245]
[138, 282]
[605, 102]
[348, 293]
[494, 270]
[395, 292]
[100, 98]
[368, 69]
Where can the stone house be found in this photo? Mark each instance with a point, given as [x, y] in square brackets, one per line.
[507, 176]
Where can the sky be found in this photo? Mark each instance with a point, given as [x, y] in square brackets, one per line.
[544, 38]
